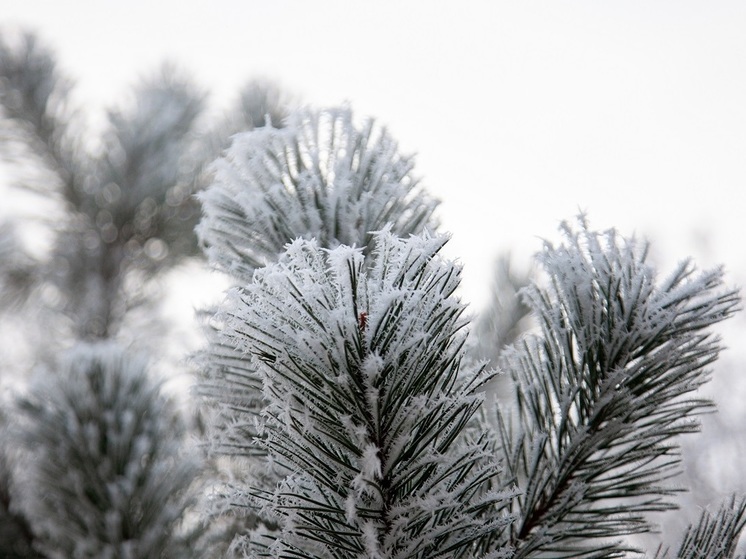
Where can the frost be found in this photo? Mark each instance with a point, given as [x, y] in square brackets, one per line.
[372, 462]
[351, 508]
[106, 451]
[610, 379]
[372, 367]
[360, 355]
[372, 545]
[320, 177]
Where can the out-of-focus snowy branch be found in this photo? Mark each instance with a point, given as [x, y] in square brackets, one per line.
[104, 469]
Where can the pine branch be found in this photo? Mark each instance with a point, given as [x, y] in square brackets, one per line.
[319, 177]
[34, 97]
[361, 364]
[105, 474]
[136, 215]
[715, 536]
[360, 169]
[604, 391]
[129, 209]
[149, 169]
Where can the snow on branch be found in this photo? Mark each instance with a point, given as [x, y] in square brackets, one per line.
[319, 177]
[106, 472]
[715, 536]
[366, 401]
[604, 390]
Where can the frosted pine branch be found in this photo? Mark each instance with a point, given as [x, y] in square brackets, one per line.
[715, 536]
[361, 363]
[604, 390]
[318, 177]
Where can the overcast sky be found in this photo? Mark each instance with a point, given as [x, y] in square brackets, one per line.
[521, 113]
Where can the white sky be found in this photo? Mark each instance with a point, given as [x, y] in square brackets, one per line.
[521, 113]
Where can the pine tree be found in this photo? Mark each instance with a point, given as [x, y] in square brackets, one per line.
[125, 196]
[124, 214]
[104, 466]
[339, 380]
[337, 363]
[126, 207]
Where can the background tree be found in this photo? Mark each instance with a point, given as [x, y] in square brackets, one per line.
[118, 210]
[105, 470]
[125, 199]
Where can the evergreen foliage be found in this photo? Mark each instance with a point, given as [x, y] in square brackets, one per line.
[361, 366]
[127, 202]
[319, 177]
[126, 196]
[338, 372]
[715, 536]
[603, 392]
[105, 469]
